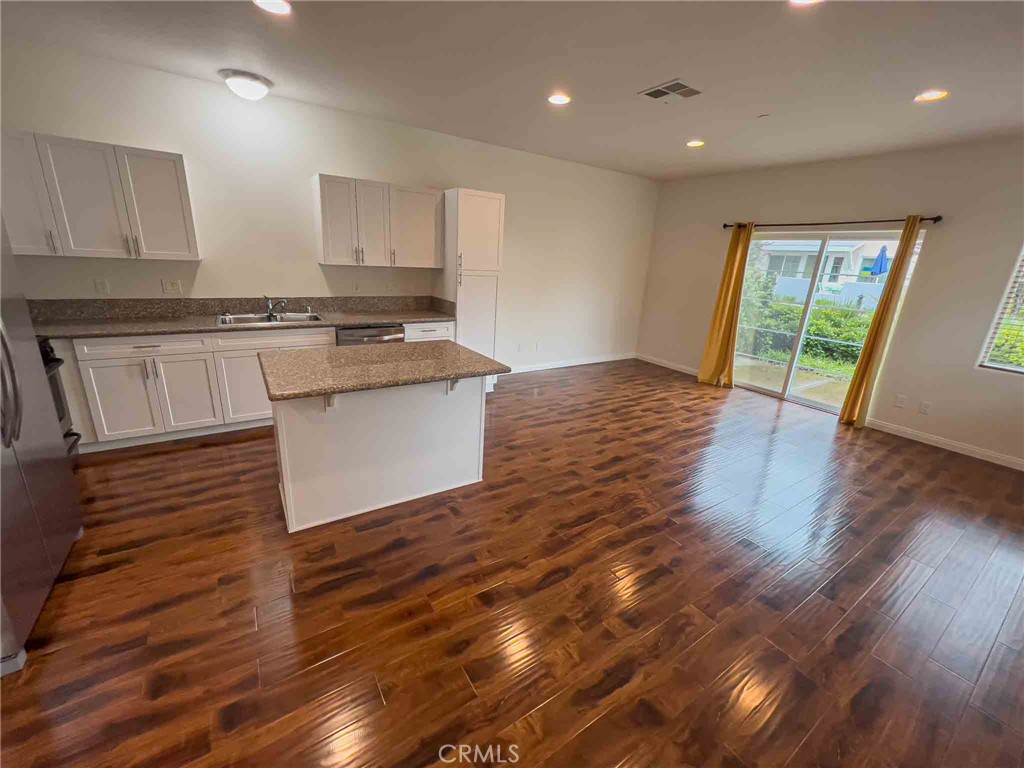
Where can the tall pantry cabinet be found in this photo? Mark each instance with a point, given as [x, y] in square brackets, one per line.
[474, 229]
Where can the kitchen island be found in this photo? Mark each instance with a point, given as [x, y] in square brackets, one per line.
[360, 428]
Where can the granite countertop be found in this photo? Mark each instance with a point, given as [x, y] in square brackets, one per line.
[316, 371]
[153, 326]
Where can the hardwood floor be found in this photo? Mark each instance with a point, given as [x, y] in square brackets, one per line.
[654, 573]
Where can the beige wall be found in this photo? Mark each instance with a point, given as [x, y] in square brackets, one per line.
[577, 239]
[960, 277]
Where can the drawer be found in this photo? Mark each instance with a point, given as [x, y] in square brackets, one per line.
[141, 346]
[295, 337]
[429, 331]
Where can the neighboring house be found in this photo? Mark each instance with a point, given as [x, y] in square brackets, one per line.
[847, 262]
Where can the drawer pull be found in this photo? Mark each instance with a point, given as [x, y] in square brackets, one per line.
[145, 346]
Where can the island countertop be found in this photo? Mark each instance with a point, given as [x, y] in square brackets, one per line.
[294, 374]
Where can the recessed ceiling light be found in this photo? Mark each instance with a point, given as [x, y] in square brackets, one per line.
[804, 2]
[246, 84]
[559, 98]
[695, 143]
[932, 94]
[276, 7]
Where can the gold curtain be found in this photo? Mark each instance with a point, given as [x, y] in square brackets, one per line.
[717, 363]
[855, 409]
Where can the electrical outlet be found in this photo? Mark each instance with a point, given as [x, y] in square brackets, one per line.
[392, 288]
[536, 347]
[102, 287]
[355, 287]
[925, 407]
[171, 286]
[901, 401]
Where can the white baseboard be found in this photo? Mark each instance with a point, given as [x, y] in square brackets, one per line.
[570, 363]
[667, 364]
[166, 437]
[967, 449]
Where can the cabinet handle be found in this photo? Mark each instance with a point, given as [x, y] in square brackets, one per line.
[145, 368]
[138, 253]
[392, 257]
[156, 370]
[53, 240]
[362, 255]
[128, 245]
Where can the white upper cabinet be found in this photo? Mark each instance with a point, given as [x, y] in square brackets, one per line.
[337, 228]
[361, 222]
[416, 216]
[86, 197]
[159, 209]
[26, 206]
[71, 197]
[476, 221]
[374, 229]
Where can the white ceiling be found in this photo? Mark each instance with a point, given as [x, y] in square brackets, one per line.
[837, 79]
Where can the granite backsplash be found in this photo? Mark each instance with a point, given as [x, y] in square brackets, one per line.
[51, 310]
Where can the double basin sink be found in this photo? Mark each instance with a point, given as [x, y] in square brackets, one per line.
[276, 318]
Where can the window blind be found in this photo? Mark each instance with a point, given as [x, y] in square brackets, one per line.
[1004, 348]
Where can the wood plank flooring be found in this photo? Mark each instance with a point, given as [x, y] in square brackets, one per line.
[653, 573]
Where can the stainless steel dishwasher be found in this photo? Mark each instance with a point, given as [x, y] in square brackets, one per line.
[385, 334]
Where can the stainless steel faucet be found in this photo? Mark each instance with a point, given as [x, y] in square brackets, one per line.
[272, 303]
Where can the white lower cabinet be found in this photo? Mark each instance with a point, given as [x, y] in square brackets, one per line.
[139, 386]
[122, 397]
[242, 392]
[188, 392]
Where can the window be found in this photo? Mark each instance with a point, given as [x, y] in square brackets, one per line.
[1005, 346]
[837, 268]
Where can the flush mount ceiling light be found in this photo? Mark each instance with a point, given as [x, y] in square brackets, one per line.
[559, 99]
[695, 143]
[804, 2]
[932, 94]
[246, 84]
[276, 7]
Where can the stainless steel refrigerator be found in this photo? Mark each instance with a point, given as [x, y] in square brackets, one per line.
[39, 509]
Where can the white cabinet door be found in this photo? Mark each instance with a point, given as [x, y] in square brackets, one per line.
[26, 206]
[415, 226]
[337, 227]
[372, 213]
[476, 311]
[188, 391]
[159, 209]
[85, 192]
[122, 397]
[481, 221]
[243, 394]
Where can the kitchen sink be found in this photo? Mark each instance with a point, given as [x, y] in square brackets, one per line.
[274, 319]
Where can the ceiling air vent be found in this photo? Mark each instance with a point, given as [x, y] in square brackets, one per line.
[672, 88]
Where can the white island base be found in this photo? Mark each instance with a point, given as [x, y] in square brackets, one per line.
[344, 454]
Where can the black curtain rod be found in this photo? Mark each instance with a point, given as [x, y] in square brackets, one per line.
[936, 219]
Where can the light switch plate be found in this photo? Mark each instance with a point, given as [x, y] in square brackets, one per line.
[901, 401]
[101, 286]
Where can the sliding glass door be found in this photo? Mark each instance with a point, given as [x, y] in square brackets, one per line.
[808, 301]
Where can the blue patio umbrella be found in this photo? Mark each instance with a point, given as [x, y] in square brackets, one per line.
[881, 265]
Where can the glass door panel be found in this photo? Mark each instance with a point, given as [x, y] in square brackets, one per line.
[776, 287]
[847, 289]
